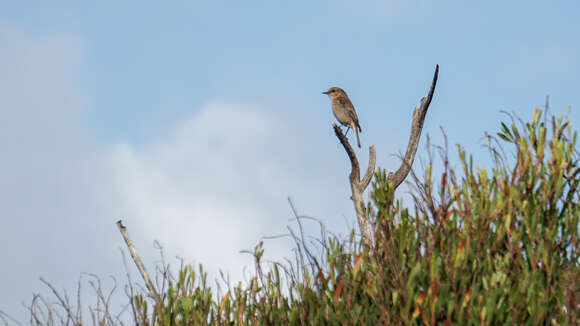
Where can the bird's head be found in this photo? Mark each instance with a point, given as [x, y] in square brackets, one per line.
[335, 92]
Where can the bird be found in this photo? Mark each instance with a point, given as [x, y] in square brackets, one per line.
[344, 110]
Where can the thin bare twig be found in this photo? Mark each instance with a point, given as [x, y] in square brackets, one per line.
[311, 258]
[63, 301]
[5, 316]
[129, 290]
[79, 314]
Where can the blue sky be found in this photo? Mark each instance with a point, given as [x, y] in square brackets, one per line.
[195, 120]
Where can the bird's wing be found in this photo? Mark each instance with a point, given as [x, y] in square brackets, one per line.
[353, 116]
[345, 101]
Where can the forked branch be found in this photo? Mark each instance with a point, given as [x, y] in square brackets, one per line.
[358, 186]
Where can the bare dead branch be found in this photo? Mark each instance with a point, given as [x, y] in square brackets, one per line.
[152, 292]
[370, 169]
[357, 186]
[355, 170]
[416, 127]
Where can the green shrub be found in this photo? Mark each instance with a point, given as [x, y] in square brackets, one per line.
[494, 246]
[483, 247]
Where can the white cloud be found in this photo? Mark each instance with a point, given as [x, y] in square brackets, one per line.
[216, 185]
[49, 225]
[213, 186]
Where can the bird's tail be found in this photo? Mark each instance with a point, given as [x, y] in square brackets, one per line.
[356, 133]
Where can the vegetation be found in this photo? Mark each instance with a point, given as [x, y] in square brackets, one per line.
[495, 246]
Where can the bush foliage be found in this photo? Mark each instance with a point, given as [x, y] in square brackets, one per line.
[485, 247]
[495, 246]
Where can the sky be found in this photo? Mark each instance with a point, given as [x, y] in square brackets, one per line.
[193, 121]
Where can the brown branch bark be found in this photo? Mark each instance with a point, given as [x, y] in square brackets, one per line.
[416, 127]
[358, 186]
[152, 291]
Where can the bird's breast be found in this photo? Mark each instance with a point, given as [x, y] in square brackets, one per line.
[341, 114]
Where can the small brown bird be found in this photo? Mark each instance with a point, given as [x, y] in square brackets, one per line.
[344, 110]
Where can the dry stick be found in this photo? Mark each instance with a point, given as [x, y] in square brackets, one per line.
[416, 127]
[358, 186]
[152, 292]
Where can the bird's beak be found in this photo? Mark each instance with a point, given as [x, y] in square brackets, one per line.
[326, 93]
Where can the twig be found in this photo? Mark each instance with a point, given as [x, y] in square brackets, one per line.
[152, 292]
[5, 316]
[63, 301]
[79, 314]
[129, 290]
